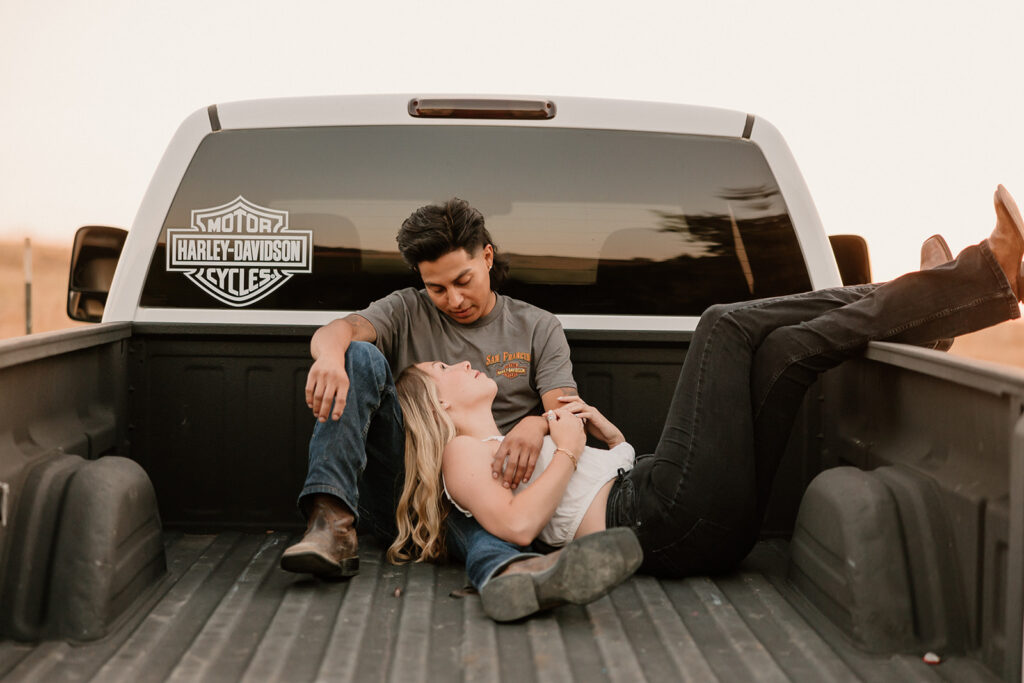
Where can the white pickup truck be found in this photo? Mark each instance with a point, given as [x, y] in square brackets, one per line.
[149, 464]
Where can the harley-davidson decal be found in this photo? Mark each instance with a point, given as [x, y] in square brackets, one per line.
[239, 252]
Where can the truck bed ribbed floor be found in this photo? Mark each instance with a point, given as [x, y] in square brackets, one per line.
[226, 612]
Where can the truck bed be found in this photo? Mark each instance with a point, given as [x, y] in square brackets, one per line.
[226, 612]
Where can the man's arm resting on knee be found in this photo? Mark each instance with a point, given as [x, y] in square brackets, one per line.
[327, 383]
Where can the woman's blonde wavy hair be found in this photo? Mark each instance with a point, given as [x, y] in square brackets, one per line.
[422, 508]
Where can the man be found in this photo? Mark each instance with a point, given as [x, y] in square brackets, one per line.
[350, 389]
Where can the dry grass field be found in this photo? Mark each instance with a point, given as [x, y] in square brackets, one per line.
[50, 264]
[1001, 344]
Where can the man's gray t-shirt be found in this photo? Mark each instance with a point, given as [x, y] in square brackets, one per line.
[520, 346]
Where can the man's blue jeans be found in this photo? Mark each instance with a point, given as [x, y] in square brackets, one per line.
[360, 459]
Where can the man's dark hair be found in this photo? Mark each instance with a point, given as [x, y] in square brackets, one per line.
[438, 229]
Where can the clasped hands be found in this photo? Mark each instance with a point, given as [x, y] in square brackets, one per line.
[516, 457]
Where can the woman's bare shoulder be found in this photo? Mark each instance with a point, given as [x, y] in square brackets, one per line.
[463, 448]
[466, 465]
[464, 444]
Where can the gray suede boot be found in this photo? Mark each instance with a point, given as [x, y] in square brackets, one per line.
[579, 573]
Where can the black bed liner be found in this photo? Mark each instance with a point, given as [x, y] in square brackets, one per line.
[226, 612]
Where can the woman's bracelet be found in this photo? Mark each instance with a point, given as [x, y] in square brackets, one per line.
[575, 459]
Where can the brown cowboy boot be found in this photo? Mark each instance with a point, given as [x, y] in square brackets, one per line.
[1007, 240]
[329, 549]
[934, 252]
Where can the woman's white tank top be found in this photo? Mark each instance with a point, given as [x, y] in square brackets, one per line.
[596, 468]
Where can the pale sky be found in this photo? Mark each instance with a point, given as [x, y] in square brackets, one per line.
[903, 116]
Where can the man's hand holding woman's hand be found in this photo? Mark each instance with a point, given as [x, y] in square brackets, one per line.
[597, 424]
[567, 429]
[327, 386]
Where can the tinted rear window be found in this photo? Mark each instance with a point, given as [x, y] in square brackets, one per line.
[594, 222]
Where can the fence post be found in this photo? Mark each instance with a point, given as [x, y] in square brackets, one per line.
[28, 286]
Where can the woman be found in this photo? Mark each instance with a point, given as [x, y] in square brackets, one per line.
[697, 503]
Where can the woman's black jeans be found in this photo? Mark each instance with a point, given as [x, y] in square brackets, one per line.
[697, 503]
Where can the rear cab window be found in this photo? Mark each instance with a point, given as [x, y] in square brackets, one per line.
[594, 222]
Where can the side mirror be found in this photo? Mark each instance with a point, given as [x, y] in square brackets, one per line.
[93, 261]
[851, 253]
